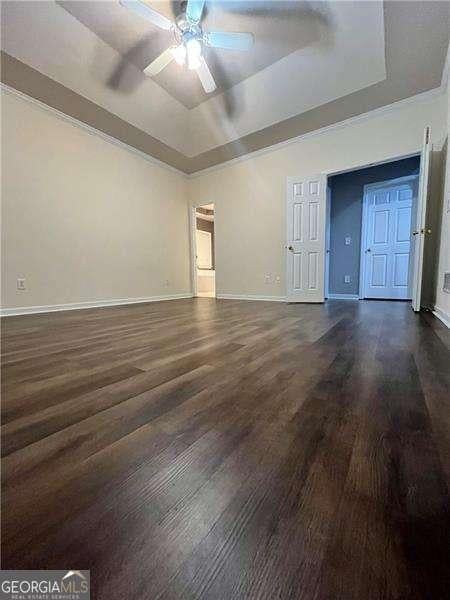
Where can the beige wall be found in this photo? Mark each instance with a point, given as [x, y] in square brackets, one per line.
[249, 196]
[84, 219]
[442, 302]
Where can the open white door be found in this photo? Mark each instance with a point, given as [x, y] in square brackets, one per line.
[305, 260]
[327, 242]
[420, 229]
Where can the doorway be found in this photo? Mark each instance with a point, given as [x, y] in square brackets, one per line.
[369, 231]
[310, 260]
[204, 267]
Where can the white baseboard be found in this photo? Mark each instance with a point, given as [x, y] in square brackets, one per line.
[30, 310]
[250, 297]
[343, 297]
[442, 316]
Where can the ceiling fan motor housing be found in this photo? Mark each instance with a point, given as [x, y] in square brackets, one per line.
[186, 30]
[189, 38]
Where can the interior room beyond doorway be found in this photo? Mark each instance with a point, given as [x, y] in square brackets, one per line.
[205, 254]
[369, 252]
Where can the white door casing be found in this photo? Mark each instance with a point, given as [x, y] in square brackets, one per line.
[420, 229]
[305, 247]
[386, 240]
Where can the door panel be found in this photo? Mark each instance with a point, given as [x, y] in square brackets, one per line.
[401, 264]
[405, 194]
[305, 259]
[297, 271]
[312, 270]
[380, 227]
[379, 264]
[381, 197]
[298, 209]
[403, 225]
[313, 221]
[388, 213]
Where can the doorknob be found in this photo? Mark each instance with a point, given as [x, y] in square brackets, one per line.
[415, 232]
[368, 250]
[291, 248]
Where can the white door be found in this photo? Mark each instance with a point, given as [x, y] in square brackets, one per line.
[305, 264]
[420, 229]
[387, 240]
[327, 242]
[204, 249]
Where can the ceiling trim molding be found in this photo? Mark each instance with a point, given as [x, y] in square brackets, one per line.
[92, 130]
[376, 112]
[424, 96]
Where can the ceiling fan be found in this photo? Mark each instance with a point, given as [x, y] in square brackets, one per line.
[189, 39]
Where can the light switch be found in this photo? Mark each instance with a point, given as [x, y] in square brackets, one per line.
[346, 278]
[348, 240]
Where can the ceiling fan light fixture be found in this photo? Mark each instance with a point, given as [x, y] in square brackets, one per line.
[179, 54]
[189, 39]
[194, 53]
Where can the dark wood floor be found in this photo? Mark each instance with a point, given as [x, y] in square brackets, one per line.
[230, 450]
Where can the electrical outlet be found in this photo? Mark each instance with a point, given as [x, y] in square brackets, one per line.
[21, 284]
[348, 240]
[347, 279]
[267, 279]
[166, 283]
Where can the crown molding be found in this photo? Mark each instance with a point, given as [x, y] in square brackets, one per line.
[92, 130]
[388, 108]
[422, 97]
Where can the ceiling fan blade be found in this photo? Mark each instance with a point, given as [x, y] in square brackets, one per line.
[229, 40]
[160, 62]
[194, 10]
[207, 80]
[146, 12]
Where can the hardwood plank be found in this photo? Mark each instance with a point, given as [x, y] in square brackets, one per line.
[230, 450]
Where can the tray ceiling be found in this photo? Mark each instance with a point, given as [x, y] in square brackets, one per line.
[280, 28]
[308, 57]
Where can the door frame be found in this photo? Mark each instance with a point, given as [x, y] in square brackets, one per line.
[193, 245]
[365, 222]
[327, 241]
[331, 173]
